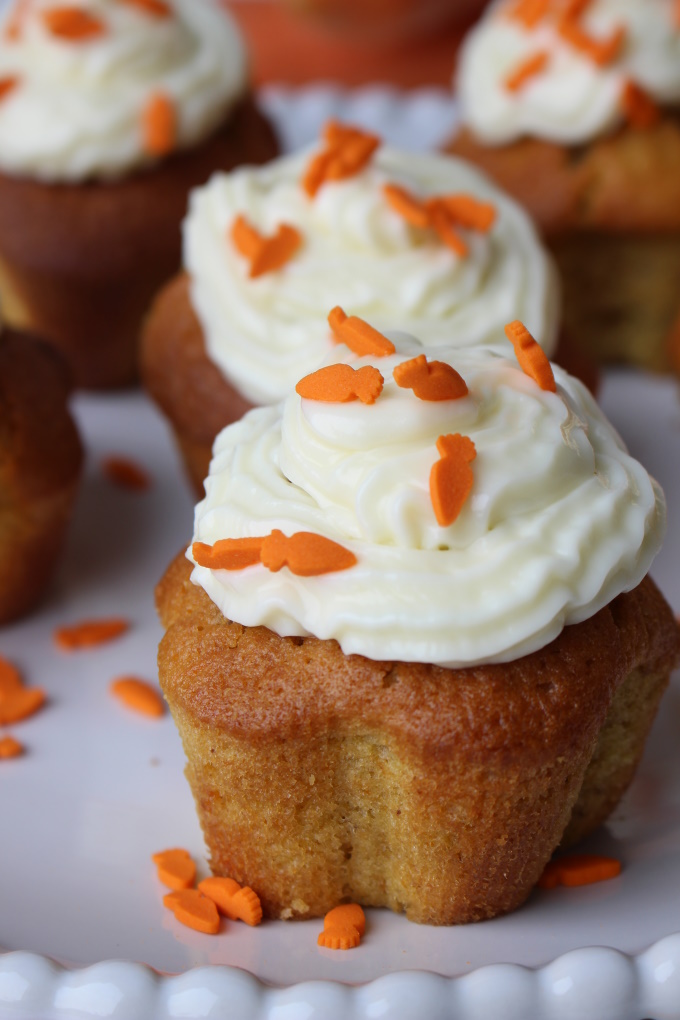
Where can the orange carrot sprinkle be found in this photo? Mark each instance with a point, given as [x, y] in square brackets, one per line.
[347, 151]
[451, 477]
[343, 927]
[579, 869]
[529, 12]
[228, 553]
[358, 335]
[125, 473]
[341, 384]
[194, 910]
[442, 222]
[526, 70]
[8, 85]
[238, 903]
[10, 748]
[89, 633]
[640, 109]
[72, 23]
[265, 254]
[469, 212]
[430, 380]
[156, 8]
[159, 125]
[530, 356]
[20, 704]
[10, 678]
[138, 695]
[305, 554]
[407, 205]
[176, 868]
[600, 51]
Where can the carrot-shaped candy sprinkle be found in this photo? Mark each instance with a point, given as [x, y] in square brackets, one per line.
[600, 51]
[125, 473]
[640, 109]
[89, 633]
[358, 335]
[16, 701]
[265, 254]
[237, 902]
[430, 380]
[138, 695]
[407, 205]
[228, 553]
[305, 554]
[443, 223]
[176, 868]
[530, 356]
[347, 151]
[343, 927]
[194, 910]
[527, 69]
[10, 748]
[72, 23]
[10, 678]
[341, 384]
[579, 869]
[529, 12]
[156, 8]
[451, 477]
[8, 85]
[469, 212]
[159, 125]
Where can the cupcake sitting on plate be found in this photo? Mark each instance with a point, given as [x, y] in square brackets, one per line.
[417, 242]
[110, 112]
[573, 107]
[415, 647]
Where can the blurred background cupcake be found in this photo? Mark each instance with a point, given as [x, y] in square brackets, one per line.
[574, 108]
[110, 111]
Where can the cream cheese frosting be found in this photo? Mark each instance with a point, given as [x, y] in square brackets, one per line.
[356, 251]
[76, 108]
[573, 99]
[559, 520]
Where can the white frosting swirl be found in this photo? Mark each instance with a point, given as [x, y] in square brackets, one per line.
[359, 253]
[559, 521]
[76, 111]
[572, 99]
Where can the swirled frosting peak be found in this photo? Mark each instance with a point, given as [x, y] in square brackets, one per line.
[544, 519]
[359, 251]
[97, 88]
[568, 70]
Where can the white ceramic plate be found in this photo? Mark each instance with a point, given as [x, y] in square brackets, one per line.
[100, 790]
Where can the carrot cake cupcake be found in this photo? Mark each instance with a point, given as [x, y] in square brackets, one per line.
[573, 106]
[418, 242]
[416, 645]
[40, 462]
[110, 112]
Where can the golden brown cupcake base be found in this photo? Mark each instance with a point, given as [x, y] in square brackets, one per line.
[610, 212]
[187, 386]
[320, 777]
[40, 461]
[80, 264]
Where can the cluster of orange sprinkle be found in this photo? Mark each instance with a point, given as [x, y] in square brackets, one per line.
[443, 214]
[265, 254]
[73, 24]
[305, 553]
[347, 151]
[200, 908]
[638, 107]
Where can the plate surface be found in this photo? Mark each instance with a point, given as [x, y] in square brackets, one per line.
[100, 790]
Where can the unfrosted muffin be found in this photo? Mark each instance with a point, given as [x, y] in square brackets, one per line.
[432, 651]
[574, 108]
[110, 112]
[220, 340]
[40, 462]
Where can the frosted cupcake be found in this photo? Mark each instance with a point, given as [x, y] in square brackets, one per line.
[110, 112]
[573, 108]
[418, 242]
[416, 646]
